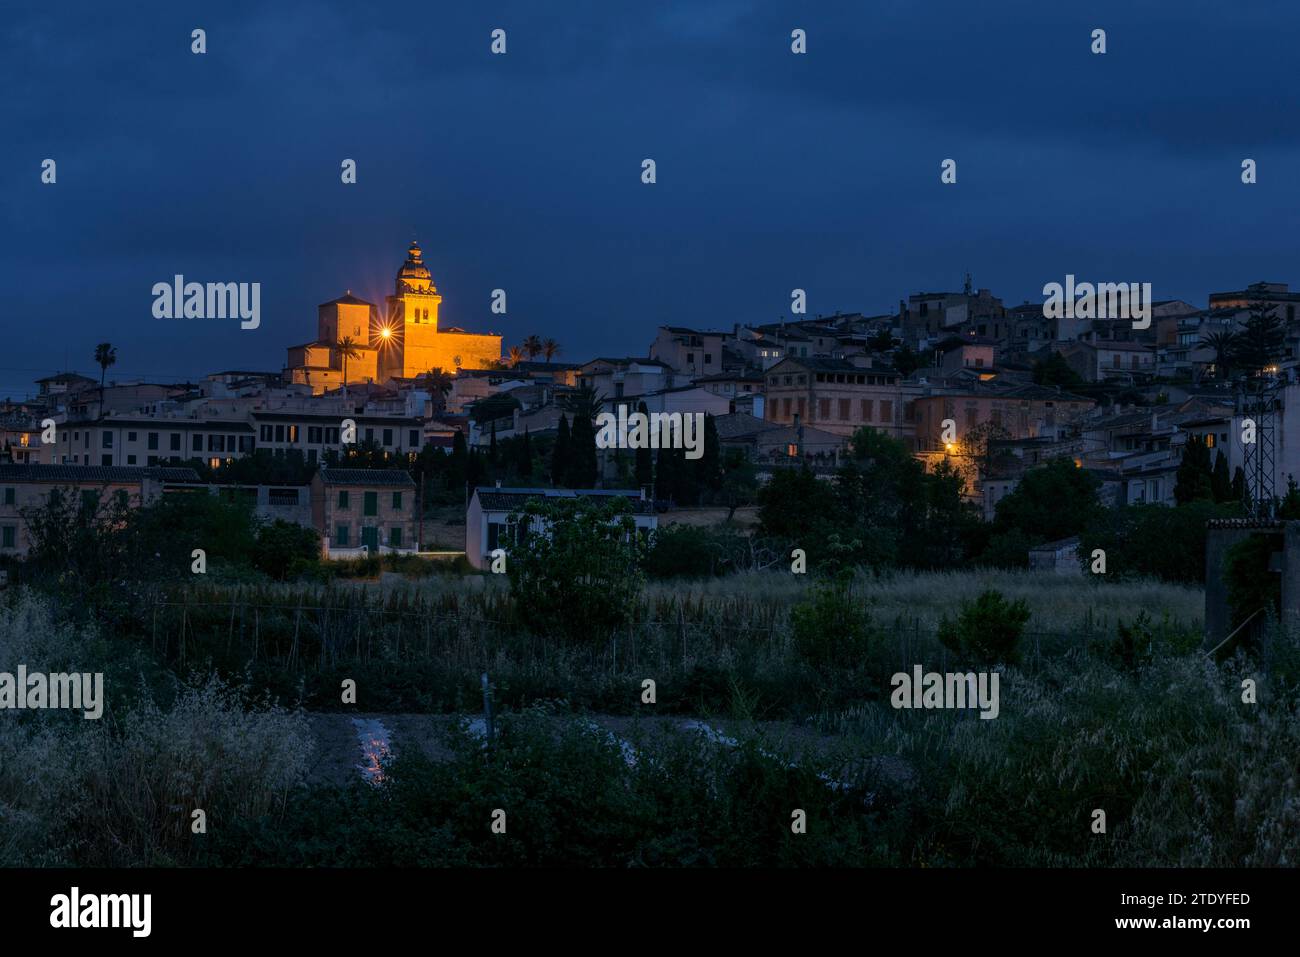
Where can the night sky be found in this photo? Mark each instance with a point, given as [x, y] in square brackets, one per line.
[522, 171]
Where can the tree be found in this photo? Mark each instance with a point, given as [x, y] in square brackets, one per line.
[1052, 501]
[583, 461]
[708, 467]
[105, 356]
[492, 445]
[550, 349]
[906, 361]
[1055, 370]
[524, 456]
[533, 346]
[439, 385]
[514, 356]
[579, 576]
[987, 631]
[347, 347]
[1224, 343]
[1261, 340]
[1193, 479]
[645, 468]
[458, 470]
[560, 455]
[1220, 479]
[1239, 486]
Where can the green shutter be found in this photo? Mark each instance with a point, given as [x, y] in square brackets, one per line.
[372, 503]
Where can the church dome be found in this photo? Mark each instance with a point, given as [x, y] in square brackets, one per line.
[414, 267]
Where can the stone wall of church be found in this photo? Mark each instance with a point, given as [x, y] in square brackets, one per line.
[441, 350]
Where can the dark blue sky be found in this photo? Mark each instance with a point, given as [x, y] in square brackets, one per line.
[523, 171]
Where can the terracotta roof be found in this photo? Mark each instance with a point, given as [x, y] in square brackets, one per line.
[336, 476]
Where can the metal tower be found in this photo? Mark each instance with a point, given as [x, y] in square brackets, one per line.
[1257, 401]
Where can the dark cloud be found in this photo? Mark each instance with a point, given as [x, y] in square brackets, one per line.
[522, 171]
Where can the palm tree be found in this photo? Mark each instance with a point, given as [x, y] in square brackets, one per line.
[438, 383]
[347, 347]
[533, 346]
[105, 355]
[549, 349]
[1224, 344]
[514, 356]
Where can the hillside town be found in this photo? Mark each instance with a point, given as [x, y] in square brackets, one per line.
[960, 377]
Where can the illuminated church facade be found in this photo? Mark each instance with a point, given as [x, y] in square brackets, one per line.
[400, 341]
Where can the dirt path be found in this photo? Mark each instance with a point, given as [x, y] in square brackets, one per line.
[348, 744]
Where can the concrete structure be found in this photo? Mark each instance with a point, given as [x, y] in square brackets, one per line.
[374, 508]
[25, 487]
[1060, 557]
[487, 520]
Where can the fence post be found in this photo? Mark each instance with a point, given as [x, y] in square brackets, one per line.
[487, 707]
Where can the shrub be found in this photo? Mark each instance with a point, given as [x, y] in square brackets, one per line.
[987, 630]
[830, 627]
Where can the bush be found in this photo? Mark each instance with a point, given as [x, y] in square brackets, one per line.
[687, 551]
[830, 627]
[284, 550]
[987, 630]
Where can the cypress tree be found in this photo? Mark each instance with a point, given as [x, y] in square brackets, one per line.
[582, 457]
[1220, 482]
[645, 466]
[560, 455]
[524, 456]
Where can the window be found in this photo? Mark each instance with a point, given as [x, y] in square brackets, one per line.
[151, 460]
[106, 460]
[279, 433]
[130, 460]
[415, 439]
[265, 433]
[371, 504]
[197, 444]
[388, 437]
[343, 499]
[293, 433]
[395, 537]
[176, 441]
[886, 410]
[1209, 440]
[108, 439]
[690, 358]
[131, 436]
[9, 496]
[313, 435]
[370, 435]
[866, 410]
[844, 410]
[7, 536]
[708, 358]
[153, 441]
[823, 409]
[397, 501]
[341, 535]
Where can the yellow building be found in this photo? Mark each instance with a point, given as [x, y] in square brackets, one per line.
[406, 343]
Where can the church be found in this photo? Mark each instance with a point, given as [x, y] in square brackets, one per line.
[356, 342]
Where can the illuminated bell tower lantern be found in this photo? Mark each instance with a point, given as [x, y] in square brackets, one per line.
[412, 316]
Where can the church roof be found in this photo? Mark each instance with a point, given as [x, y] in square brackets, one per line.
[414, 267]
[347, 300]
